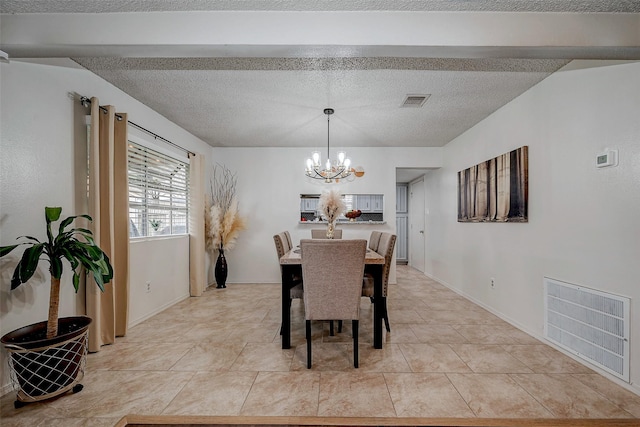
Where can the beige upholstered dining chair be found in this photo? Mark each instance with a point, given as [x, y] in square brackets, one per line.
[332, 272]
[318, 233]
[385, 248]
[374, 240]
[283, 245]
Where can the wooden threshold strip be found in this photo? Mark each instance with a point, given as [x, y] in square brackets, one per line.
[234, 421]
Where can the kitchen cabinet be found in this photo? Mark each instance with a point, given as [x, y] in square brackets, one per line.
[363, 202]
[402, 191]
[309, 204]
[402, 246]
[377, 203]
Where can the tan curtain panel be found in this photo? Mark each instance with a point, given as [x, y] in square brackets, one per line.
[109, 207]
[197, 276]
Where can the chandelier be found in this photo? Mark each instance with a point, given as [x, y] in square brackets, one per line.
[328, 171]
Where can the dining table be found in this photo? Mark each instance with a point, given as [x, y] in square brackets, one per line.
[292, 260]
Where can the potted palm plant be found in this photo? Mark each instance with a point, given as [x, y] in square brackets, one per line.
[47, 358]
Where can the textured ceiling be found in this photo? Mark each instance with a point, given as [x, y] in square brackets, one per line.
[231, 88]
[104, 6]
[280, 102]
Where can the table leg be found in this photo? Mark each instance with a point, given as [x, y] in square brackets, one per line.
[378, 307]
[286, 309]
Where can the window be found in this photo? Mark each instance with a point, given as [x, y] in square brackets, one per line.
[158, 193]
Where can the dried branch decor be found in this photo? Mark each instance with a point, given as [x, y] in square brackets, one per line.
[331, 206]
[223, 222]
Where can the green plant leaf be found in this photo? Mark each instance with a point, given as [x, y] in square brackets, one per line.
[29, 238]
[15, 280]
[76, 280]
[29, 262]
[4, 250]
[69, 256]
[56, 267]
[52, 214]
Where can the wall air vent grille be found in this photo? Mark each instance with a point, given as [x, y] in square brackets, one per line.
[592, 325]
[414, 101]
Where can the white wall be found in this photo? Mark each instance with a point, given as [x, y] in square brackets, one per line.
[42, 161]
[164, 264]
[270, 181]
[583, 224]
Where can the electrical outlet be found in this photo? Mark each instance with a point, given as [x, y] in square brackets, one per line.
[492, 283]
[148, 287]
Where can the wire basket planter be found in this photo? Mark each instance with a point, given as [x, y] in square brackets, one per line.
[48, 370]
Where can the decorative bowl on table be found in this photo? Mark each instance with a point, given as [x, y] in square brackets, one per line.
[353, 214]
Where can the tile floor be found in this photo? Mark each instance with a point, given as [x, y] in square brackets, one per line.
[220, 355]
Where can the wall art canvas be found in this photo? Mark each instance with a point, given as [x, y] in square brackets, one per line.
[495, 190]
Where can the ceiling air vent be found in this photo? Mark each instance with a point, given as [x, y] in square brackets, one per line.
[414, 101]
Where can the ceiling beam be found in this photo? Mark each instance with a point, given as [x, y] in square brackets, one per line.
[323, 34]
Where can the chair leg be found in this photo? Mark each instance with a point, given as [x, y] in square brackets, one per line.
[354, 324]
[339, 326]
[331, 332]
[308, 334]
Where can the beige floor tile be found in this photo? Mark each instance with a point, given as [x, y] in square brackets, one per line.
[264, 332]
[455, 304]
[565, 397]
[79, 422]
[459, 317]
[404, 316]
[263, 357]
[220, 354]
[497, 396]
[544, 359]
[283, 394]
[437, 334]
[117, 393]
[212, 393]
[137, 356]
[625, 399]
[486, 334]
[402, 333]
[33, 412]
[425, 395]
[210, 357]
[388, 359]
[433, 358]
[489, 359]
[24, 422]
[324, 357]
[354, 394]
[160, 332]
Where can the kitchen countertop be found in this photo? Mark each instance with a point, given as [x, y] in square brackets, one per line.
[343, 222]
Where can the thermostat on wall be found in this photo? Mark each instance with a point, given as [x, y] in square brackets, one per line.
[607, 158]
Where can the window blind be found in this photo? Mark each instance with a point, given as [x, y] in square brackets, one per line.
[158, 193]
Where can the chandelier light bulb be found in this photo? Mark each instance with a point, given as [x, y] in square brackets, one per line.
[347, 163]
[328, 168]
[341, 156]
[309, 165]
[316, 158]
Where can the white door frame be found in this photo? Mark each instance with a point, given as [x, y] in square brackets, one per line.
[416, 224]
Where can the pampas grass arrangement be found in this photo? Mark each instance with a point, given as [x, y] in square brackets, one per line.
[223, 222]
[331, 206]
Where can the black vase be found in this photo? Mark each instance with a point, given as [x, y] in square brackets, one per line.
[221, 270]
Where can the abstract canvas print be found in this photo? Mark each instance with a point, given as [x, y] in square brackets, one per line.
[495, 190]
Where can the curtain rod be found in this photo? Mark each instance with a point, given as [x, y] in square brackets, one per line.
[87, 101]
